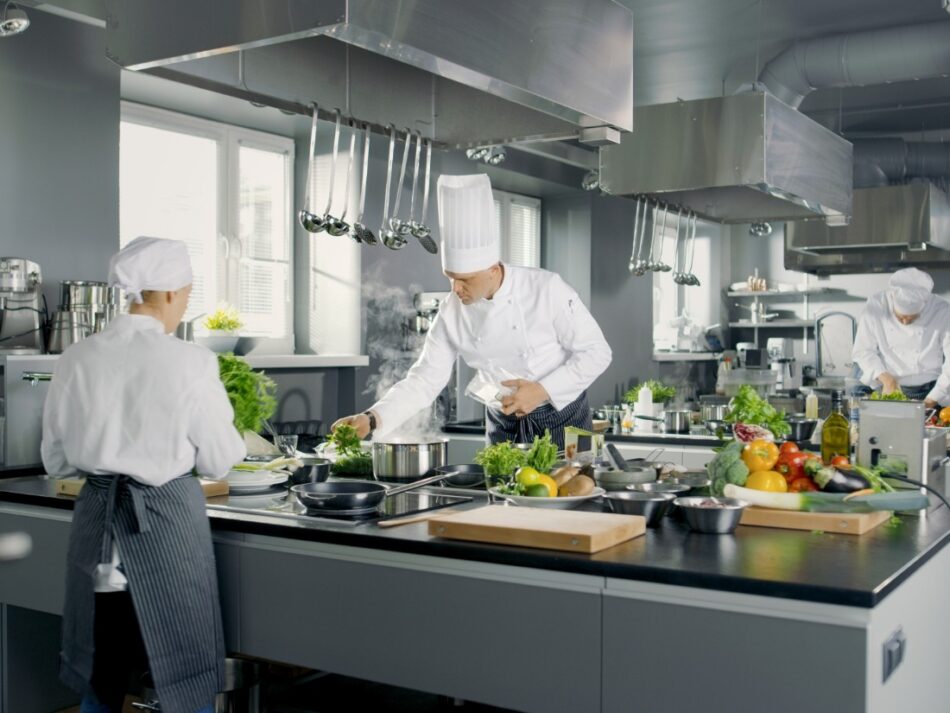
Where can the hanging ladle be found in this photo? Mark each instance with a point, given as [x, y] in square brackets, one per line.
[640, 267]
[399, 226]
[690, 276]
[655, 265]
[311, 222]
[390, 238]
[660, 265]
[678, 274]
[328, 219]
[420, 230]
[338, 226]
[633, 250]
[360, 232]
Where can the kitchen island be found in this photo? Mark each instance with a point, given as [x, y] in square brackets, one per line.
[762, 620]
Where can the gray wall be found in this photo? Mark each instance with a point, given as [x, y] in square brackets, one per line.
[59, 119]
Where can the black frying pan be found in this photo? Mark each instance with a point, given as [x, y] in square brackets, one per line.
[466, 475]
[352, 495]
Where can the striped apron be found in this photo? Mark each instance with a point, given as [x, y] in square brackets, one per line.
[500, 427]
[164, 543]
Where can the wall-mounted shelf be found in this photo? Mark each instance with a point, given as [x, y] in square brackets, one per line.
[687, 356]
[781, 293]
[774, 324]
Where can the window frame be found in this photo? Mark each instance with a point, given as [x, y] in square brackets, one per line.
[230, 139]
[506, 199]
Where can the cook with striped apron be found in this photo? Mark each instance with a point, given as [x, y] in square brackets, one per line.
[534, 344]
[137, 411]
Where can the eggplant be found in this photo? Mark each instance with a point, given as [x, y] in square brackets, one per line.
[840, 479]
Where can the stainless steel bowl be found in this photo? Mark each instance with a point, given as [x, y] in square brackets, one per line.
[652, 506]
[719, 520]
[802, 428]
[314, 470]
[673, 489]
[612, 479]
[405, 461]
[693, 481]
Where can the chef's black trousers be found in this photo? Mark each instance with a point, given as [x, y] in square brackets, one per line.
[119, 649]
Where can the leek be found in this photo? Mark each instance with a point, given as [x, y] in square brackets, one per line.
[830, 502]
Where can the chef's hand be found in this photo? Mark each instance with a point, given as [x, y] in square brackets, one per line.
[930, 403]
[888, 383]
[528, 395]
[359, 421]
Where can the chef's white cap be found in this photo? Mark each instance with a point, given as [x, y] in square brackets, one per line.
[910, 290]
[467, 224]
[150, 264]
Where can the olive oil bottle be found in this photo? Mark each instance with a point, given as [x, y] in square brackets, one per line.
[836, 431]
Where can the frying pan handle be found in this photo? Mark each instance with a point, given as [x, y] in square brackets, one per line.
[420, 483]
[647, 418]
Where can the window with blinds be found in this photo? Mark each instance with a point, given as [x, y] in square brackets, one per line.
[226, 192]
[519, 227]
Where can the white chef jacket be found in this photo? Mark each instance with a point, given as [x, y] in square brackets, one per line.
[913, 353]
[534, 327]
[136, 401]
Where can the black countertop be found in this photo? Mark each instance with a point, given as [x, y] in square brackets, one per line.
[821, 567]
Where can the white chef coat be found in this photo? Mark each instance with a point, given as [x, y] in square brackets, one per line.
[136, 401]
[913, 353]
[534, 327]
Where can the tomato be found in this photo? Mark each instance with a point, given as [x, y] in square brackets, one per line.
[768, 480]
[791, 465]
[840, 460]
[789, 447]
[801, 485]
[760, 455]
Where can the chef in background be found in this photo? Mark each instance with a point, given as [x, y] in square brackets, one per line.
[903, 340]
[136, 411]
[525, 331]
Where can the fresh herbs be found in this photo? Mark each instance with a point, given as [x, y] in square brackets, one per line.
[351, 460]
[500, 459]
[543, 453]
[224, 319]
[661, 392]
[893, 396]
[748, 407]
[250, 392]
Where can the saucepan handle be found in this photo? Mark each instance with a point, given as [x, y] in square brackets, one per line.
[419, 483]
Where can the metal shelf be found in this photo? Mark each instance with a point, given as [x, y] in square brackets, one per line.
[773, 324]
[782, 293]
[686, 356]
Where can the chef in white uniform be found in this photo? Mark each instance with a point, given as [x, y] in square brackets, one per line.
[137, 411]
[903, 340]
[524, 330]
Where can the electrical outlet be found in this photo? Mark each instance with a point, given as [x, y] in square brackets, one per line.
[893, 653]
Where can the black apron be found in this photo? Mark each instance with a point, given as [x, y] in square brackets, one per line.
[164, 542]
[500, 427]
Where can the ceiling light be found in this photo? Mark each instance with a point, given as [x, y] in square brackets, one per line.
[760, 230]
[14, 20]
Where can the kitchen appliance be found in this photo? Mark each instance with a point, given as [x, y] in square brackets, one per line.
[25, 385]
[892, 434]
[404, 461]
[22, 310]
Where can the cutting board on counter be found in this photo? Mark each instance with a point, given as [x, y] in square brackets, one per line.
[568, 530]
[845, 523]
[72, 486]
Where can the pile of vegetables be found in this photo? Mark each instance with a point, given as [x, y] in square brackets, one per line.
[530, 473]
[750, 409]
[351, 459]
[661, 392]
[251, 393]
[893, 396]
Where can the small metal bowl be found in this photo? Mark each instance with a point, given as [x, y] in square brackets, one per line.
[611, 479]
[802, 428]
[673, 489]
[652, 506]
[719, 520]
[693, 481]
[313, 470]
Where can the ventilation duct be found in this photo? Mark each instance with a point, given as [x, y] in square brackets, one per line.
[737, 159]
[463, 73]
[878, 162]
[892, 54]
[891, 227]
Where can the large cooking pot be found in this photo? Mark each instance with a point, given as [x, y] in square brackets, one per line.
[403, 460]
[713, 412]
[673, 421]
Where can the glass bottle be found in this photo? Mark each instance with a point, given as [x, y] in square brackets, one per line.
[811, 405]
[836, 431]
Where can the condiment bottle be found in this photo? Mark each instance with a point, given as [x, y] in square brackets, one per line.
[836, 431]
[811, 405]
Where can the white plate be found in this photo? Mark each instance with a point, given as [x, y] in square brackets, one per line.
[565, 503]
[254, 480]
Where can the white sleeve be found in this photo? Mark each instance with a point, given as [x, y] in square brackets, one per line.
[941, 390]
[865, 352]
[218, 444]
[427, 377]
[579, 334]
[51, 448]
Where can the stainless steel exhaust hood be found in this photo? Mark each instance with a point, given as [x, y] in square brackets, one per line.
[464, 73]
[735, 159]
[892, 227]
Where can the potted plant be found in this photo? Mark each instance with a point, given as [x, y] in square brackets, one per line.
[222, 325]
[661, 392]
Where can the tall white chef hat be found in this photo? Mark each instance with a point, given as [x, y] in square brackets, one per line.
[910, 290]
[467, 223]
[150, 264]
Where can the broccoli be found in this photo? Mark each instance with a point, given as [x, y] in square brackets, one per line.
[727, 467]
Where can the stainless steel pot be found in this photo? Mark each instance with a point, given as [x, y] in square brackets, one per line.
[67, 328]
[673, 421]
[713, 412]
[404, 461]
[83, 293]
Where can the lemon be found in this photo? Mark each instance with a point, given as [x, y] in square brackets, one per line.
[538, 490]
[528, 476]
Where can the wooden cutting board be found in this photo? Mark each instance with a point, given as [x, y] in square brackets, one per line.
[844, 523]
[72, 486]
[568, 530]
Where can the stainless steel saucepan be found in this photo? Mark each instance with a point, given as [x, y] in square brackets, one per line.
[673, 421]
[404, 460]
[353, 495]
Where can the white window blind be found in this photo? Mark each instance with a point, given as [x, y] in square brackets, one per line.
[226, 192]
[519, 226]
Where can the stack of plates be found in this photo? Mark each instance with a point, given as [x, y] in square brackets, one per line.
[243, 482]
